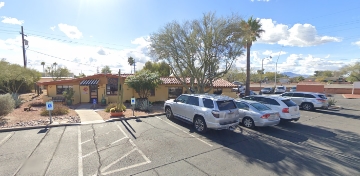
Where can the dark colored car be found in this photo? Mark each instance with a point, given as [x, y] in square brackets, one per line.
[267, 90]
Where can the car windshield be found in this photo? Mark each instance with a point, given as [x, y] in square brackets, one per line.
[289, 103]
[226, 105]
[280, 88]
[293, 88]
[266, 88]
[260, 106]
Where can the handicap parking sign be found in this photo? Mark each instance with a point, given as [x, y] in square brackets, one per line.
[132, 101]
[94, 101]
[49, 106]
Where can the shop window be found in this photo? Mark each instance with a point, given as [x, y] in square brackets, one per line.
[61, 89]
[217, 91]
[174, 92]
[112, 86]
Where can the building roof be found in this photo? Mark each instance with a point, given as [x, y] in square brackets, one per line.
[219, 83]
[87, 82]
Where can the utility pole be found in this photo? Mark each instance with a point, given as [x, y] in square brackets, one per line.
[262, 69]
[23, 45]
[134, 66]
[276, 64]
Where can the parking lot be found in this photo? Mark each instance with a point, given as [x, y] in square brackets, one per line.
[322, 142]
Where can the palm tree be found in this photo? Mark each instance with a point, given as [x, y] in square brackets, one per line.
[251, 30]
[43, 64]
[131, 62]
[55, 64]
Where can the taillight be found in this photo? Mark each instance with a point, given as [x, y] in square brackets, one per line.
[321, 100]
[285, 110]
[265, 116]
[216, 114]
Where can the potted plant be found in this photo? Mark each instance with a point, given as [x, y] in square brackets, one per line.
[117, 111]
[68, 95]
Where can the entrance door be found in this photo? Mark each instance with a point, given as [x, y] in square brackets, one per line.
[93, 93]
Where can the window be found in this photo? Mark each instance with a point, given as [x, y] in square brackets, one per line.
[182, 99]
[287, 94]
[271, 101]
[208, 103]
[217, 91]
[309, 96]
[226, 105]
[152, 92]
[260, 106]
[61, 89]
[322, 96]
[112, 86]
[242, 106]
[193, 101]
[298, 95]
[289, 102]
[175, 92]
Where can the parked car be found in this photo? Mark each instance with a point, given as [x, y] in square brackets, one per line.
[308, 100]
[256, 114]
[288, 110]
[242, 94]
[280, 90]
[204, 111]
[267, 90]
[293, 89]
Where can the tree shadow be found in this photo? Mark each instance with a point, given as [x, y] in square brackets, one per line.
[337, 113]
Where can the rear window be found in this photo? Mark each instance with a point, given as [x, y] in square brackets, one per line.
[322, 96]
[266, 88]
[280, 88]
[289, 103]
[260, 106]
[226, 105]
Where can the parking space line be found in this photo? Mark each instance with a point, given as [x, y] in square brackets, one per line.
[185, 132]
[103, 148]
[86, 141]
[6, 138]
[80, 161]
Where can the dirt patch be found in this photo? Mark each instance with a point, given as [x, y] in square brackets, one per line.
[155, 109]
[21, 118]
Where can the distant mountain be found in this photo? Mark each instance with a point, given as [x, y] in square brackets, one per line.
[291, 74]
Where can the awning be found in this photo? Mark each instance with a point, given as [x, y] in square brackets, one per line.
[87, 82]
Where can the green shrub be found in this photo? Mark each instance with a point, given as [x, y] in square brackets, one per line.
[7, 104]
[37, 104]
[113, 106]
[58, 110]
[331, 101]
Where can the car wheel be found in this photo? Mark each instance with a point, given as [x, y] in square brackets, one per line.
[200, 125]
[307, 106]
[248, 122]
[169, 113]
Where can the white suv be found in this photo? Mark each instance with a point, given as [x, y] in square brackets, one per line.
[288, 110]
[308, 100]
[280, 89]
[204, 111]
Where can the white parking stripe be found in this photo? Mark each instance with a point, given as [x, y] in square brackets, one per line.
[80, 161]
[185, 132]
[86, 141]
[6, 138]
[104, 147]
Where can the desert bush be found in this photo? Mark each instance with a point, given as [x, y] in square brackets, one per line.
[7, 104]
[17, 100]
[58, 110]
[331, 101]
[113, 106]
[37, 104]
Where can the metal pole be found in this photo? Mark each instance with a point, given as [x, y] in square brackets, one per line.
[50, 117]
[23, 45]
[262, 68]
[276, 64]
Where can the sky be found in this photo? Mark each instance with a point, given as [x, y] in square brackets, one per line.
[85, 35]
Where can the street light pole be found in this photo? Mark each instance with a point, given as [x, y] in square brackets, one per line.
[262, 69]
[276, 64]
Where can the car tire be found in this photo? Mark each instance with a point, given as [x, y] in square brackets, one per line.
[200, 124]
[248, 122]
[307, 106]
[168, 112]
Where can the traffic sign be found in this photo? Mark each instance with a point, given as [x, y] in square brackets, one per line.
[49, 106]
[132, 101]
[94, 101]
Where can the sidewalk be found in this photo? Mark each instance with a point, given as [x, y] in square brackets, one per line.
[88, 115]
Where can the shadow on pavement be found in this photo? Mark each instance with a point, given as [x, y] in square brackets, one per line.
[337, 113]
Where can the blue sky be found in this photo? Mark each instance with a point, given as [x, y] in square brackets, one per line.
[85, 34]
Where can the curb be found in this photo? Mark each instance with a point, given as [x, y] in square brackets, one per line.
[37, 127]
[133, 117]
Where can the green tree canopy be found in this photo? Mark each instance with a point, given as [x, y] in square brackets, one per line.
[325, 73]
[143, 82]
[162, 68]
[201, 49]
[106, 69]
[353, 72]
[57, 73]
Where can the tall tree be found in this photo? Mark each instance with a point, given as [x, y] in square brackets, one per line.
[198, 51]
[43, 64]
[162, 68]
[55, 64]
[352, 71]
[131, 62]
[251, 30]
[58, 73]
[106, 69]
[143, 82]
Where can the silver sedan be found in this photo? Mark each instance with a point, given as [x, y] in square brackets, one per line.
[256, 114]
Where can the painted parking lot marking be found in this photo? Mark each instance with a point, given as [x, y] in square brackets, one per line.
[185, 132]
[80, 162]
[6, 138]
[104, 148]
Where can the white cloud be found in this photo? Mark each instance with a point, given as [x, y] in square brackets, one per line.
[2, 4]
[78, 58]
[261, 0]
[301, 35]
[356, 43]
[326, 57]
[272, 54]
[10, 20]
[70, 31]
[53, 28]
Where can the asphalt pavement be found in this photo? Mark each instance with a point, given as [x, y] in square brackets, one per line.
[320, 143]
